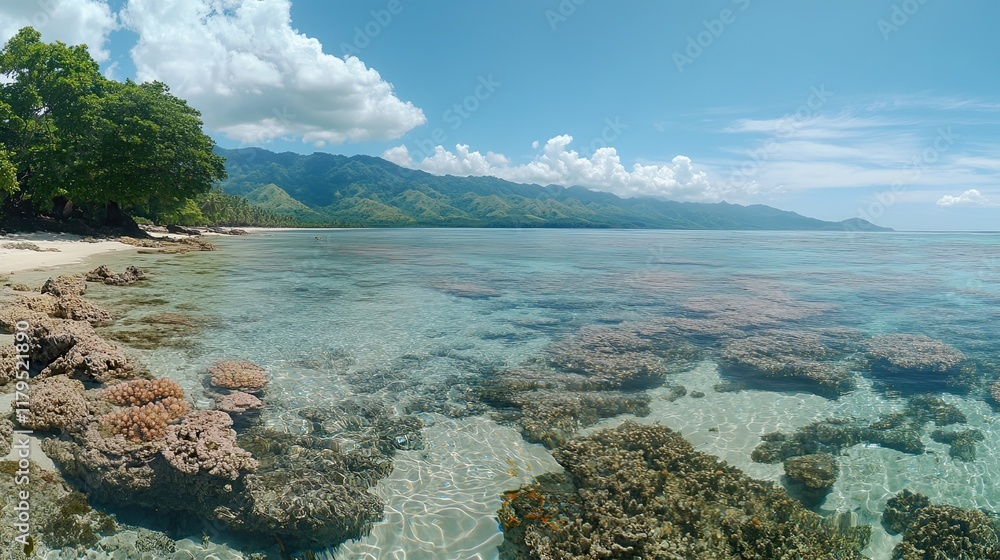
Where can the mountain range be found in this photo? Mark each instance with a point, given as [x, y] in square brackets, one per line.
[328, 189]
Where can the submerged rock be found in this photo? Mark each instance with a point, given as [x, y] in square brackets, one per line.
[813, 361]
[962, 443]
[551, 406]
[643, 492]
[915, 362]
[105, 275]
[932, 532]
[812, 476]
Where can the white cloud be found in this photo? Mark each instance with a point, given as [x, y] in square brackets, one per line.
[73, 22]
[971, 197]
[255, 78]
[557, 164]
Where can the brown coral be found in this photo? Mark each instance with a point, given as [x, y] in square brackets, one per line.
[238, 374]
[143, 391]
[237, 402]
[147, 422]
[204, 441]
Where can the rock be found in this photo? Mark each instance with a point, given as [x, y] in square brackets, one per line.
[56, 403]
[183, 230]
[235, 231]
[642, 492]
[6, 436]
[919, 363]
[963, 443]
[238, 375]
[105, 275]
[8, 365]
[817, 362]
[74, 349]
[78, 309]
[65, 286]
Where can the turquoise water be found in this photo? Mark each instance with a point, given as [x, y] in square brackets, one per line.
[417, 318]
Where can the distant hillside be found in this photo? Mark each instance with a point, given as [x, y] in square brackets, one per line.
[370, 191]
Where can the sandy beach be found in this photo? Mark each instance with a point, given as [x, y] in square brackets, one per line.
[57, 249]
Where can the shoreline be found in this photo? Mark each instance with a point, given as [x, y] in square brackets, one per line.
[57, 250]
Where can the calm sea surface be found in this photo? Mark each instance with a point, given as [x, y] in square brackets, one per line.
[410, 316]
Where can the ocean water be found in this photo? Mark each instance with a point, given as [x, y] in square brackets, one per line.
[411, 317]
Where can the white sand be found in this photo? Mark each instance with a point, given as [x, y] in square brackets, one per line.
[72, 250]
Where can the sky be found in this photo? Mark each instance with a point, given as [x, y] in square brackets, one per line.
[887, 110]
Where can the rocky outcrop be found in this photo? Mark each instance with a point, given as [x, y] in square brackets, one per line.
[57, 403]
[105, 275]
[64, 286]
[643, 492]
[74, 349]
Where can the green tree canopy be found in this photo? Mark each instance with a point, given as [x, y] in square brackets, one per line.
[70, 132]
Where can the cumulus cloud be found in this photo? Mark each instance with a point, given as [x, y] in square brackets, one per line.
[73, 22]
[255, 78]
[971, 197]
[558, 164]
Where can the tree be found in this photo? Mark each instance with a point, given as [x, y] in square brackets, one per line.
[73, 135]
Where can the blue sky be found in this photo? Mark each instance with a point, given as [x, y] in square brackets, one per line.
[882, 109]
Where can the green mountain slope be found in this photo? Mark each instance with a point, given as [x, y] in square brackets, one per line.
[370, 191]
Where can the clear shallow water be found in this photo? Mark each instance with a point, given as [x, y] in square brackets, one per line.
[411, 316]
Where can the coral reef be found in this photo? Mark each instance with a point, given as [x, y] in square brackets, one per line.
[237, 402]
[643, 492]
[56, 403]
[813, 361]
[204, 442]
[899, 510]
[6, 436]
[466, 290]
[918, 363]
[621, 358]
[932, 532]
[160, 330]
[833, 436]
[306, 490]
[103, 274]
[60, 517]
[146, 422]
[65, 286]
[142, 391]
[74, 349]
[365, 424]
[551, 406]
[75, 308]
[8, 363]
[811, 476]
[963, 442]
[238, 374]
